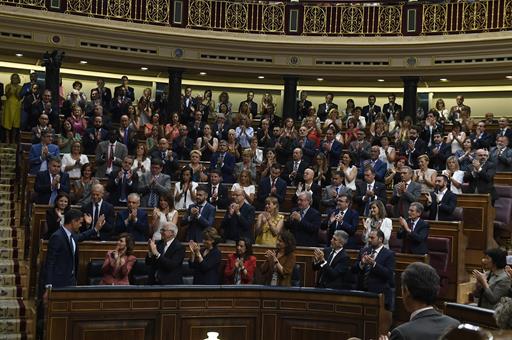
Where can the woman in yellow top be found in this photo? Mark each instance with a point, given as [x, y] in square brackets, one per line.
[269, 223]
[12, 111]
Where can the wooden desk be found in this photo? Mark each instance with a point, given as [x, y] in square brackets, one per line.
[471, 314]
[188, 313]
[503, 178]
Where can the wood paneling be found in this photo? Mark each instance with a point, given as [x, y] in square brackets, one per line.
[471, 314]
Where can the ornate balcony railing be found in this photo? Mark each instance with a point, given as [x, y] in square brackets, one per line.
[334, 18]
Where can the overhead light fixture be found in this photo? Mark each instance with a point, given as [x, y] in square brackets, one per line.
[83, 61]
[380, 80]
[508, 77]
[443, 79]
[320, 79]
[19, 54]
[261, 77]
[144, 68]
[202, 73]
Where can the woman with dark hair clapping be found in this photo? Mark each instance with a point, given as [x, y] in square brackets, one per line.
[55, 215]
[240, 266]
[119, 262]
[206, 262]
[277, 269]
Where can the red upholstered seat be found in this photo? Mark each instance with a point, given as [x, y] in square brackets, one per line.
[439, 249]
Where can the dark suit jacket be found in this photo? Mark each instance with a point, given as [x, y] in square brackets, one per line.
[130, 92]
[333, 156]
[43, 186]
[106, 209]
[129, 139]
[334, 275]
[482, 181]
[61, 265]
[415, 242]
[503, 161]
[34, 157]
[389, 111]
[288, 169]
[193, 132]
[427, 325]
[168, 265]
[420, 148]
[52, 223]
[484, 142]
[197, 225]
[316, 196]
[401, 203]
[428, 135]
[380, 194]
[139, 229]
[207, 272]
[115, 188]
[438, 161]
[222, 201]
[253, 107]
[370, 118]
[264, 190]
[236, 226]
[221, 133]
[120, 152]
[302, 112]
[323, 110]
[348, 225]
[89, 140]
[170, 167]
[309, 149]
[380, 169]
[445, 207]
[106, 97]
[182, 145]
[227, 168]
[382, 275]
[306, 230]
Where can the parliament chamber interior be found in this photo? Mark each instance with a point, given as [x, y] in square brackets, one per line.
[242, 169]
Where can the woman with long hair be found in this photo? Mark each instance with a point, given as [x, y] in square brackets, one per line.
[134, 116]
[269, 223]
[72, 162]
[154, 121]
[269, 160]
[185, 189]
[164, 213]
[141, 161]
[246, 184]
[207, 144]
[289, 129]
[119, 262]
[333, 119]
[208, 105]
[322, 170]
[278, 267]
[240, 266]
[454, 174]
[387, 151]
[206, 262]
[441, 110]
[377, 220]
[456, 137]
[66, 137]
[77, 120]
[393, 175]
[81, 188]
[55, 214]
[172, 130]
[350, 134]
[347, 166]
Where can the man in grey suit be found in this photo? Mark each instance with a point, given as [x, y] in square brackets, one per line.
[404, 193]
[154, 184]
[109, 155]
[331, 192]
[420, 286]
[501, 155]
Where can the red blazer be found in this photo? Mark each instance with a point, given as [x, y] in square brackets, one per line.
[113, 275]
[229, 270]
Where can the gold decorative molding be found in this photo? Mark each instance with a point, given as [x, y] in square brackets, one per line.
[434, 18]
[390, 19]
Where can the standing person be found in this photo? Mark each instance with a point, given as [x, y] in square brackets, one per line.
[377, 220]
[133, 220]
[119, 262]
[278, 267]
[206, 262]
[12, 109]
[200, 216]
[241, 265]
[269, 223]
[405, 192]
[420, 287]
[454, 174]
[165, 257]
[480, 175]
[162, 214]
[414, 231]
[333, 263]
[238, 219]
[154, 184]
[441, 203]
[99, 212]
[55, 214]
[304, 221]
[185, 190]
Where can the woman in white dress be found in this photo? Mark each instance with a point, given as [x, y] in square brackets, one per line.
[245, 183]
[185, 190]
[377, 220]
[349, 170]
[165, 212]
[454, 174]
[141, 162]
[456, 137]
[72, 162]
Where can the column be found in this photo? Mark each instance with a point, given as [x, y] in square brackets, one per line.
[174, 95]
[52, 63]
[290, 97]
[410, 92]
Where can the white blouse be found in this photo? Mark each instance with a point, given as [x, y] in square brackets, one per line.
[386, 226]
[186, 198]
[162, 219]
[459, 177]
[146, 164]
[251, 189]
[67, 160]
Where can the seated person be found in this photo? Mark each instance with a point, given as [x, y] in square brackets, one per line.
[273, 185]
[441, 203]
[206, 262]
[304, 221]
[241, 265]
[414, 231]
[55, 214]
[121, 183]
[154, 184]
[278, 267]
[503, 313]
[342, 218]
[238, 219]
[333, 263]
[164, 213]
[133, 220]
[269, 223]
[50, 182]
[200, 216]
[165, 257]
[99, 212]
[40, 153]
[494, 283]
[119, 262]
[217, 193]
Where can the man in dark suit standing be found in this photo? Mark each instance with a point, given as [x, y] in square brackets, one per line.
[369, 191]
[303, 106]
[307, 146]
[238, 219]
[94, 135]
[50, 182]
[501, 155]
[331, 148]
[133, 220]
[420, 287]
[189, 105]
[61, 265]
[225, 162]
[129, 91]
[253, 107]
[220, 128]
[439, 152]
[195, 128]
[374, 162]
[99, 214]
[165, 258]
[504, 129]
[199, 216]
[304, 221]
[375, 267]
[153, 185]
[167, 156]
[414, 148]
[481, 139]
[405, 192]
[122, 183]
[183, 144]
[218, 195]
[110, 155]
[480, 175]
[273, 185]
[391, 108]
[414, 231]
[127, 135]
[342, 218]
[333, 263]
[371, 110]
[324, 108]
[442, 202]
[431, 127]
[104, 92]
[294, 169]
